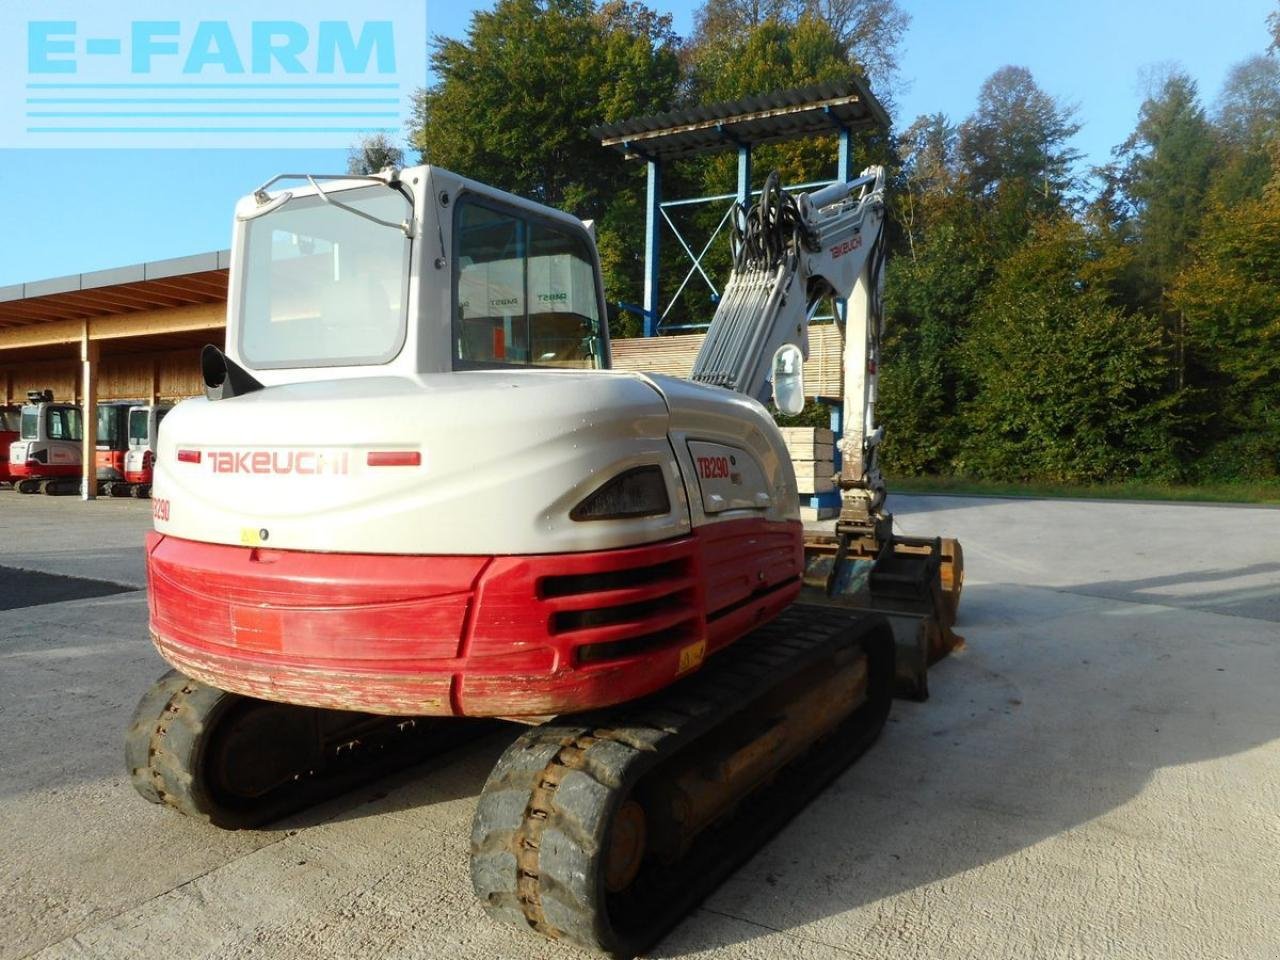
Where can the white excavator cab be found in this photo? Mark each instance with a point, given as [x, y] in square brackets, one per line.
[408, 273]
[139, 458]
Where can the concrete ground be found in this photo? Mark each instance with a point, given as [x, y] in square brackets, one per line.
[1097, 774]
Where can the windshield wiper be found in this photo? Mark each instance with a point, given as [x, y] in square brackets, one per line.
[268, 203]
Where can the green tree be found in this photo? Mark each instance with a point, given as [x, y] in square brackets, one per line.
[516, 100]
[867, 32]
[1230, 296]
[931, 286]
[1069, 386]
[1015, 153]
[1166, 165]
[1247, 117]
[372, 153]
[1248, 109]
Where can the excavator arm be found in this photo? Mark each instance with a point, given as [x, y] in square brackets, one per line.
[790, 255]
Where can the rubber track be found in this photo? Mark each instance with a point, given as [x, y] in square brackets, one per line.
[176, 719]
[539, 834]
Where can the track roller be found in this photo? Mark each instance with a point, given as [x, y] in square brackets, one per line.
[61, 487]
[238, 762]
[605, 829]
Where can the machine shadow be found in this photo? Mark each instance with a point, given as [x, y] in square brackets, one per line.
[1257, 602]
[912, 504]
[456, 774]
[991, 765]
[954, 783]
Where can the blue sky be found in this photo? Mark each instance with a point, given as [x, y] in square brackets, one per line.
[72, 211]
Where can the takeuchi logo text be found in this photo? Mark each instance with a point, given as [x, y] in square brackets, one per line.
[290, 462]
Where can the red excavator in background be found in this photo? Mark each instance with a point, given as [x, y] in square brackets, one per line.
[113, 444]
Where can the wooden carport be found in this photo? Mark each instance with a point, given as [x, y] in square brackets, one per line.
[132, 333]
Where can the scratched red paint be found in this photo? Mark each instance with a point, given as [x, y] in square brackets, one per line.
[474, 636]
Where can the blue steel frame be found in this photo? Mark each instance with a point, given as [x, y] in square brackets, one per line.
[656, 211]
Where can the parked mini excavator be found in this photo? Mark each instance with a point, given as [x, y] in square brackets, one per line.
[112, 445]
[415, 495]
[46, 457]
[139, 458]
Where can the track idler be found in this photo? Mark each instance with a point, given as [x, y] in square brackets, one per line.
[238, 762]
[606, 829]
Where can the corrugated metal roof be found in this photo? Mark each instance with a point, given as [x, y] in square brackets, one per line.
[781, 115]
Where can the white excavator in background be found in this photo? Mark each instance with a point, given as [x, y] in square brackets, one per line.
[46, 456]
[140, 455]
[415, 495]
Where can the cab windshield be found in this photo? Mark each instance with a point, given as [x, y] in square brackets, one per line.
[323, 286]
[138, 427]
[108, 425]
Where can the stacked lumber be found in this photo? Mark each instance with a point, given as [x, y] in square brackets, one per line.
[674, 356]
[812, 451]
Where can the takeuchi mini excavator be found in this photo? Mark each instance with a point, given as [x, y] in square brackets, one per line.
[46, 456]
[139, 458]
[415, 496]
[112, 445]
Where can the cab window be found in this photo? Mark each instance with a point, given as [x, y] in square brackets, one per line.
[64, 423]
[525, 292]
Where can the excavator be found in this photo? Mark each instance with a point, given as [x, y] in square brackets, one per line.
[46, 456]
[415, 499]
[112, 446]
[139, 458]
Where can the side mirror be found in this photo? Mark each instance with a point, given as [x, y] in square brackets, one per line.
[223, 377]
[788, 379]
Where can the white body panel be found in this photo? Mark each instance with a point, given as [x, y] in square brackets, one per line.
[503, 455]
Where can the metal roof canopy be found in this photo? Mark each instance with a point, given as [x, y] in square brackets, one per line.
[823, 108]
[182, 281]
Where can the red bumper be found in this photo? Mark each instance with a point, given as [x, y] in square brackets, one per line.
[473, 636]
[35, 470]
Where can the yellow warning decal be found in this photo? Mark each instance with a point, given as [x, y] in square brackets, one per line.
[691, 656]
[250, 536]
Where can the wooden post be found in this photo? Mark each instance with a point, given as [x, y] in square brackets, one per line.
[89, 410]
